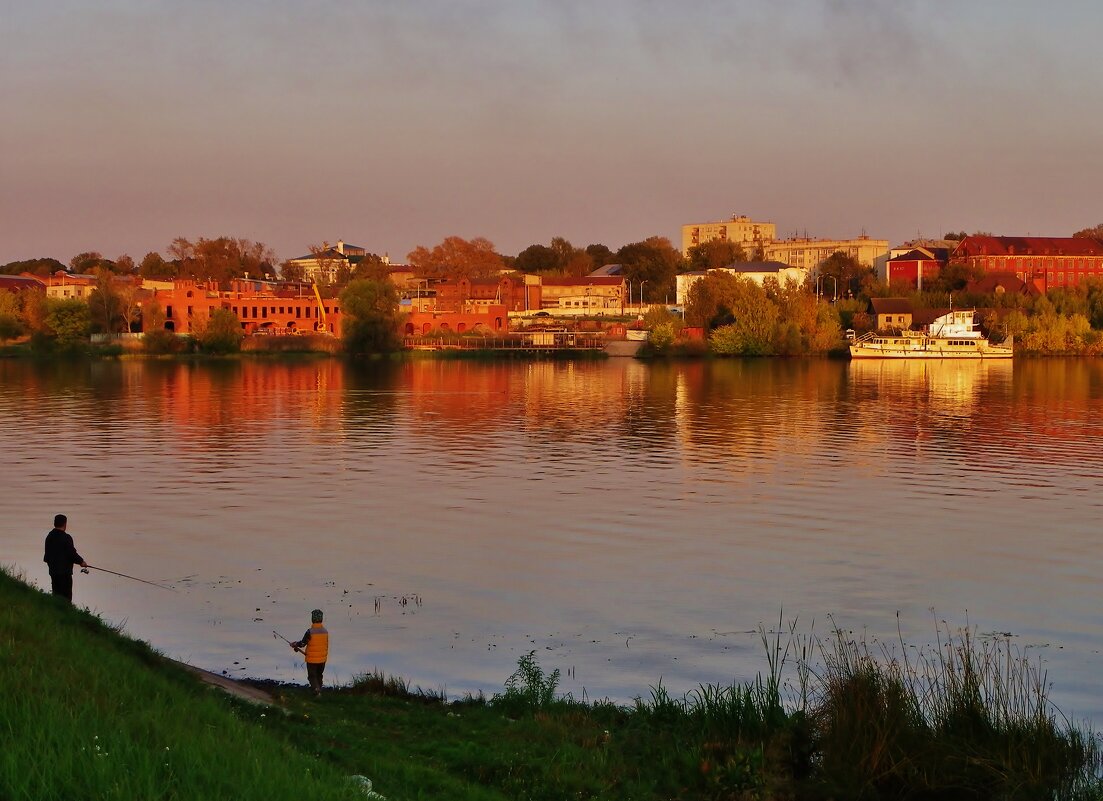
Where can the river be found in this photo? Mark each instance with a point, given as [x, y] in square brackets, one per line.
[631, 523]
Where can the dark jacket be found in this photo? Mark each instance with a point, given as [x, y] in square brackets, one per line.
[61, 554]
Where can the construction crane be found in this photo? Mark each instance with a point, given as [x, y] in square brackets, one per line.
[321, 306]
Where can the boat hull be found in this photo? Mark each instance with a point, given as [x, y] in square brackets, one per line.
[930, 351]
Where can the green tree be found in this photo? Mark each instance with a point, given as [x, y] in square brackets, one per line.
[652, 263]
[11, 325]
[600, 255]
[661, 337]
[42, 267]
[753, 318]
[806, 324]
[661, 315]
[370, 322]
[221, 332]
[153, 265]
[106, 304]
[372, 267]
[89, 262]
[290, 271]
[709, 301]
[954, 277]
[1095, 232]
[852, 276]
[715, 254]
[68, 321]
[536, 259]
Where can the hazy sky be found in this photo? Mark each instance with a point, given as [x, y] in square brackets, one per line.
[394, 124]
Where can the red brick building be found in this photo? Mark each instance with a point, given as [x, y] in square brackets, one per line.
[485, 319]
[516, 293]
[1045, 262]
[259, 305]
[916, 267]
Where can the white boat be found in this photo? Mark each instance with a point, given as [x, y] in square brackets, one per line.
[951, 336]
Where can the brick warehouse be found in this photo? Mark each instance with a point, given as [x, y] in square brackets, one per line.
[1045, 262]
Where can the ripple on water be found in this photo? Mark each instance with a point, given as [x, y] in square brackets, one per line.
[628, 522]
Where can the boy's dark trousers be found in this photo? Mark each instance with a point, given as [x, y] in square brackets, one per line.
[314, 675]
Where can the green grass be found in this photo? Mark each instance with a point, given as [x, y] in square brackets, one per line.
[87, 713]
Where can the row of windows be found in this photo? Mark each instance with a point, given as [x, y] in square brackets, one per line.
[251, 312]
[965, 343]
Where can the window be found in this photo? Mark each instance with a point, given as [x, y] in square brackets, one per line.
[168, 312]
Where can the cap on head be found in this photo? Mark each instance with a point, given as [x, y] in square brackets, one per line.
[316, 616]
[60, 521]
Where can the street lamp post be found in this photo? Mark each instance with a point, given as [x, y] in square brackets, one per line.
[641, 294]
[835, 287]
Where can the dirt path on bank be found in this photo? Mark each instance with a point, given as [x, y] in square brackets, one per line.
[237, 689]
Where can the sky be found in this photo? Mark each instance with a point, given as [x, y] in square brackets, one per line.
[128, 123]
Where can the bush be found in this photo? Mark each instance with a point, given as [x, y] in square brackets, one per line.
[160, 341]
[221, 333]
[371, 317]
[529, 688]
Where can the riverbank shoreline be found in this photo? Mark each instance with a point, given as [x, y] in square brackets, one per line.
[137, 725]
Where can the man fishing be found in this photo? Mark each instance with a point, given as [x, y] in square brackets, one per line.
[316, 643]
[60, 557]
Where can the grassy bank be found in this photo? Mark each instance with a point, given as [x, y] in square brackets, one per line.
[90, 714]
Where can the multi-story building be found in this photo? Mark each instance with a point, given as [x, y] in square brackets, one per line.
[590, 293]
[1045, 262]
[757, 271]
[811, 253]
[916, 266]
[740, 229]
[325, 265]
[265, 306]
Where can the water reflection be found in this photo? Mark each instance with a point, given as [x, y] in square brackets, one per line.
[626, 520]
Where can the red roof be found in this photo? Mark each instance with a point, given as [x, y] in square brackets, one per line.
[1029, 246]
[15, 283]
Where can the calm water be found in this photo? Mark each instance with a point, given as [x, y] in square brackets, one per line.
[627, 522]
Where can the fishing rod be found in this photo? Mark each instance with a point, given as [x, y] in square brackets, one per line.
[280, 636]
[86, 568]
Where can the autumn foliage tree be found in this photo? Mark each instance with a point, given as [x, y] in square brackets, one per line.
[221, 259]
[560, 258]
[1095, 232]
[456, 257]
